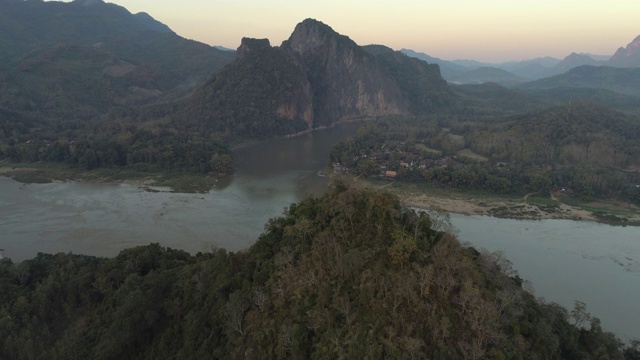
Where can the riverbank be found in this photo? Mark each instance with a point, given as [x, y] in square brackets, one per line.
[531, 206]
[42, 173]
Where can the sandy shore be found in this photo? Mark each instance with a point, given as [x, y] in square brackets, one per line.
[500, 208]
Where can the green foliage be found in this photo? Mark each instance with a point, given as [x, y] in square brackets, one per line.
[350, 274]
[420, 82]
[584, 148]
[70, 74]
[245, 99]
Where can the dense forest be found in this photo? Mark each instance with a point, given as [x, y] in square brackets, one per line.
[586, 149]
[349, 274]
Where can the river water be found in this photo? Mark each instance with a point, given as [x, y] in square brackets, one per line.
[565, 260]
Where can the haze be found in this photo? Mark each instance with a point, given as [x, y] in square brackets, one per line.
[492, 30]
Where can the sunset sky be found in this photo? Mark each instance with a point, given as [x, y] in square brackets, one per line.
[489, 30]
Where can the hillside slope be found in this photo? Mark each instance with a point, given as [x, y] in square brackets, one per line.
[76, 60]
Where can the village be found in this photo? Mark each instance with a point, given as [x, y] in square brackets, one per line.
[417, 162]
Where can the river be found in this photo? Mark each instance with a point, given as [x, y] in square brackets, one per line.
[565, 260]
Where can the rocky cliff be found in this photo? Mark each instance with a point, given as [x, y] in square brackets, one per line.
[314, 78]
[627, 57]
[347, 81]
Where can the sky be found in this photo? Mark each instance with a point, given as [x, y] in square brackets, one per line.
[484, 30]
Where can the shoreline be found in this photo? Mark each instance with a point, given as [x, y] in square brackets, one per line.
[43, 173]
[448, 200]
[511, 210]
[515, 209]
[528, 207]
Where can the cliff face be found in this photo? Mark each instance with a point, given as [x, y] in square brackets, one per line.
[347, 81]
[627, 57]
[264, 92]
[314, 78]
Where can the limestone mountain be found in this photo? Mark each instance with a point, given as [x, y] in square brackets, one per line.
[314, 78]
[627, 57]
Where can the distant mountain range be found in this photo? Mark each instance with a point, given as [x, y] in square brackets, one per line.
[514, 72]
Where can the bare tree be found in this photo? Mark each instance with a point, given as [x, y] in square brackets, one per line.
[259, 298]
[235, 310]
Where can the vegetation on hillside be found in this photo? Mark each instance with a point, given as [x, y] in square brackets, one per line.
[351, 274]
[71, 74]
[585, 149]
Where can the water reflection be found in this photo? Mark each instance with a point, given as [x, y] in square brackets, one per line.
[102, 219]
[568, 261]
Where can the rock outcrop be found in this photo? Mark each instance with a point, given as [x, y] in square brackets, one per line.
[314, 78]
[627, 57]
[346, 80]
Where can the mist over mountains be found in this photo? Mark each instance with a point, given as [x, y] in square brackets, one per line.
[513, 72]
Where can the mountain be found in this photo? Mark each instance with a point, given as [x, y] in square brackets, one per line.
[508, 73]
[574, 60]
[31, 25]
[471, 64]
[314, 78]
[547, 66]
[627, 57]
[447, 68]
[471, 72]
[75, 61]
[621, 80]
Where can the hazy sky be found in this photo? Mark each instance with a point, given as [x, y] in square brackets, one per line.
[488, 30]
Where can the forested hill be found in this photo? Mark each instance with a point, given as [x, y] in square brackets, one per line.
[351, 274]
[70, 73]
[585, 148]
[69, 62]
